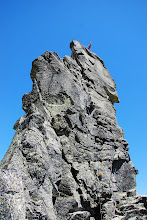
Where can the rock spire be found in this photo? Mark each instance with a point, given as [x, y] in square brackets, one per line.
[68, 158]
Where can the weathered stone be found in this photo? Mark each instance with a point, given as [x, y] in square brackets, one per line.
[68, 158]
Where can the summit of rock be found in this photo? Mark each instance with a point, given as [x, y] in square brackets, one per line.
[68, 158]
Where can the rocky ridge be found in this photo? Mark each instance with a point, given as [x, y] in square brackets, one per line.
[68, 158]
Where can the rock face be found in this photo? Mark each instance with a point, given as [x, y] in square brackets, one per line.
[68, 158]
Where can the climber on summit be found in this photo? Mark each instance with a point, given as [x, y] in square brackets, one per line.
[89, 47]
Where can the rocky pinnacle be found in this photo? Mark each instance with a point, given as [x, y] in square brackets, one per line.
[68, 158]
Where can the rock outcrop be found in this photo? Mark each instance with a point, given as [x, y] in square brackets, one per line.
[68, 158]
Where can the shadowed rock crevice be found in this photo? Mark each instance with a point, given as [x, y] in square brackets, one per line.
[68, 159]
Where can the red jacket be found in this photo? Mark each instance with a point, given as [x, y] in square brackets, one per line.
[89, 47]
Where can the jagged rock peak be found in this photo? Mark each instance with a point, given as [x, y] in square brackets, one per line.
[68, 158]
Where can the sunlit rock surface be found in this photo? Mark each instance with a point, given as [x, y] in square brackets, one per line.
[68, 158]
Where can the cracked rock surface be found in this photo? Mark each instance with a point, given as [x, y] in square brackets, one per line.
[68, 158]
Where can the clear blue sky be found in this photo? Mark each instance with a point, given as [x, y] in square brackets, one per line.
[118, 32]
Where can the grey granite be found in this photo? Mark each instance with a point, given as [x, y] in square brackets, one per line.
[68, 158]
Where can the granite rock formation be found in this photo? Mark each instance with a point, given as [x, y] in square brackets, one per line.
[68, 158]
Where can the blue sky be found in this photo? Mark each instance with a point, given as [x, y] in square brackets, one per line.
[118, 32]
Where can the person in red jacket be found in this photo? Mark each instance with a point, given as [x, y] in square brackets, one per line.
[89, 47]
